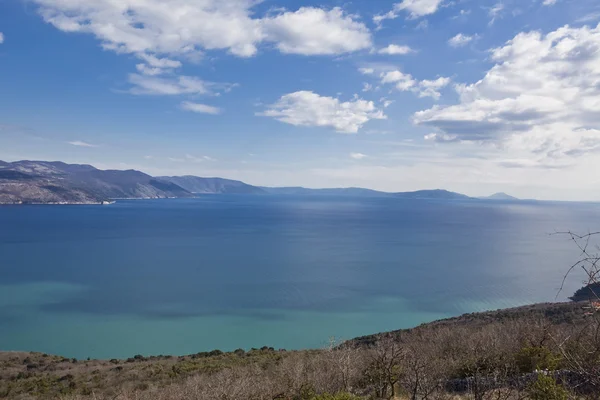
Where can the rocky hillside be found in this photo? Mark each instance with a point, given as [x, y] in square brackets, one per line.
[56, 182]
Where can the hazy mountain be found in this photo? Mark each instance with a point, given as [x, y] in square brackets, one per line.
[324, 192]
[432, 194]
[57, 182]
[197, 184]
[359, 192]
[499, 196]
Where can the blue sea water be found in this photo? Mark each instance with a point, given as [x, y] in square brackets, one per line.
[181, 276]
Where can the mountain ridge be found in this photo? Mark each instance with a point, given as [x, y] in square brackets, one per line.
[56, 182]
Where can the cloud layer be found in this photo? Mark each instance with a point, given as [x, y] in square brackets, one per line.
[541, 97]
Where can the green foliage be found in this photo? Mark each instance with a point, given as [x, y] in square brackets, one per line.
[532, 358]
[546, 388]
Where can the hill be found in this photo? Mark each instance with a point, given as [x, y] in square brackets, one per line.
[360, 192]
[196, 184]
[589, 292]
[499, 196]
[57, 182]
[301, 191]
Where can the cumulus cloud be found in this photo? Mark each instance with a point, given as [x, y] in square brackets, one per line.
[549, 2]
[405, 82]
[200, 108]
[394, 49]
[80, 143]
[314, 31]
[306, 108]
[1, 38]
[358, 156]
[542, 98]
[187, 28]
[460, 40]
[163, 33]
[415, 8]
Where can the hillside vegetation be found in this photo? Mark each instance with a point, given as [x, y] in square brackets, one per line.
[547, 351]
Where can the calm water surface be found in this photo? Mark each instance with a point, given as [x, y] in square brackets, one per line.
[183, 276]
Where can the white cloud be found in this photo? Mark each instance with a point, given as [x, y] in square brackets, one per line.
[188, 28]
[400, 79]
[156, 66]
[495, 12]
[163, 33]
[195, 159]
[1, 38]
[367, 87]
[178, 85]
[151, 71]
[366, 71]
[423, 25]
[415, 8]
[541, 99]
[174, 27]
[460, 40]
[314, 31]
[591, 17]
[428, 88]
[385, 102]
[358, 156]
[80, 143]
[549, 2]
[306, 108]
[405, 82]
[394, 49]
[200, 108]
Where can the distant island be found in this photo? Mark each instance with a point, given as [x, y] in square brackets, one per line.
[499, 196]
[55, 182]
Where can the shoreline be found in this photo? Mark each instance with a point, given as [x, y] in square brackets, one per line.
[474, 318]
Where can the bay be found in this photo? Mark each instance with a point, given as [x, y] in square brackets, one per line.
[180, 276]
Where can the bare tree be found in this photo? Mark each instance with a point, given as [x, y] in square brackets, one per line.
[385, 368]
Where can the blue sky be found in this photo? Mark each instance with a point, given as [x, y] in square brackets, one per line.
[471, 96]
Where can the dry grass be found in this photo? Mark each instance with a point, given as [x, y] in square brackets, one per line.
[477, 356]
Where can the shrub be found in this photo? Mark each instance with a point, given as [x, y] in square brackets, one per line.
[546, 388]
[339, 396]
[528, 359]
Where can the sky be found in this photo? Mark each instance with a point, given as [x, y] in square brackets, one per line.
[474, 96]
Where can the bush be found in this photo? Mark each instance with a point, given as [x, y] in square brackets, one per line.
[339, 396]
[528, 359]
[546, 388]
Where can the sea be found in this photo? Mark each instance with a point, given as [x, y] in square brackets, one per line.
[181, 276]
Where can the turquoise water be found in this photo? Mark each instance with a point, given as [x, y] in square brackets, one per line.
[189, 275]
